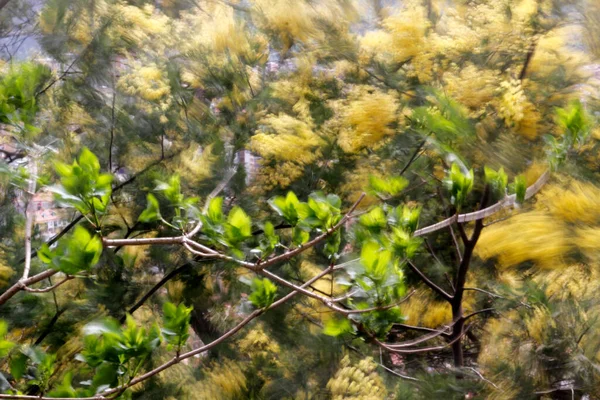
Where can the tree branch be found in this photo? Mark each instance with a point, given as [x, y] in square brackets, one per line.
[430, 283]
[486, 212]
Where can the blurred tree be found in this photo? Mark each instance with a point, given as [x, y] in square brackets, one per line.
[409, 100]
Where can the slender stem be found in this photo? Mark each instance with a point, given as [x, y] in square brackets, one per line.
[29, 212]
[49, 288]
[430, 283]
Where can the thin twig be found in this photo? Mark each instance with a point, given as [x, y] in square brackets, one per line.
[49, 288]
[29, 217]
[430, 283]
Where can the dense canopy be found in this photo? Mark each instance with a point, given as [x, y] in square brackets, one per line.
[299, 199]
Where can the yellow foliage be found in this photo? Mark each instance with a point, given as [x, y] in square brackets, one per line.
[407, 30]
[422, 310]
[286, 138]
[225, 380]
[368, 119]
[471, 86]
[375, 44]
[147, 81]
[6, 272]
[579, 202]
[256, 344]
[197, 161]
[517, 110]
[357, 381]
[541, 239]
[580, 282]
[534, 171]
[282, 175]
[553, 52]
[291, 20]
[140, 24]
[175, 291]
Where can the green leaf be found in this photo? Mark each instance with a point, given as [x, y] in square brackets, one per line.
[78, 252]
[404, 245]
[390, 186]
[45, 254]
[215, 210]
[172, 190]
[239, 226]
[5, 345]
[176, 321]
[337, 326]
[408, 217]
[460, 185]
[152, 211]
[520, 188]
[497, 181]
[300, 236]
[18, 365]
[263, 293]
[375, 220]
[377, 261]
[89, 162]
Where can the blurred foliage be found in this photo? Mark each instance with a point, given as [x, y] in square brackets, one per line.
[137, 110]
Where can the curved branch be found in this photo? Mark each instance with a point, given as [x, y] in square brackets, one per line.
[49, 288]
[486, 212]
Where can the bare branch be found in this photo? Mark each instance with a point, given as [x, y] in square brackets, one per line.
[466, 317]
[29, 217]
[482, 377]
[430, 283]
[415, 328]
[49, 288]
[422, 349]
[17, 287]
[486, 212]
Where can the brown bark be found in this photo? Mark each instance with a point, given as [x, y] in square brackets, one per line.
[459, 284]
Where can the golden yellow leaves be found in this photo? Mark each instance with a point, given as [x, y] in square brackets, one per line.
[367, 120]
[293, 21]
[6, 272]
[472, 86]
[578, 202]
[290, 143]
[197, 162]
[357, 382]
[540, 239]
[565, 220]
[258, 345]
[290, 19]
[553, 53]
[286, 138]
[140, 25]
[402, 36]
[517, 111]
[149, 82]
[224, 380]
